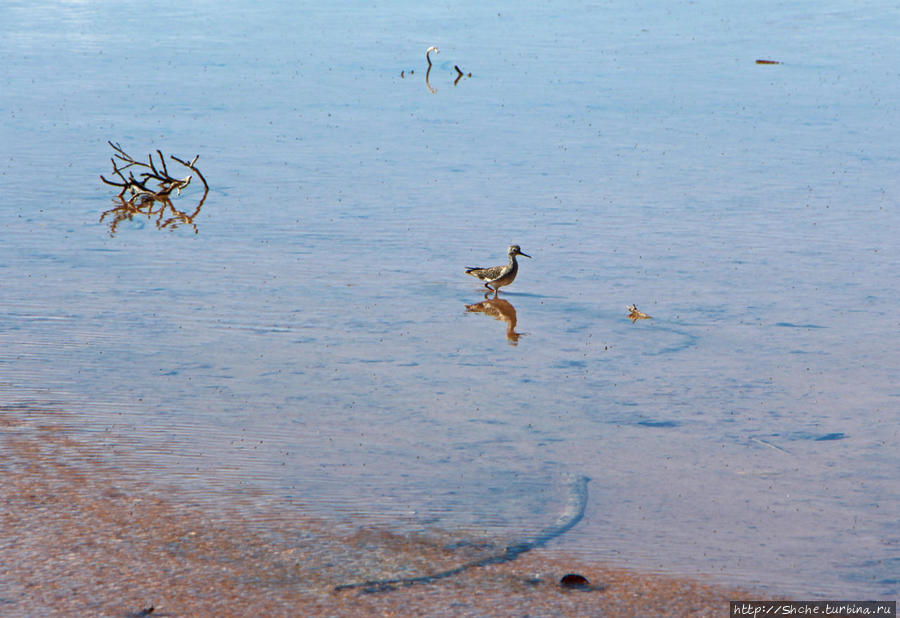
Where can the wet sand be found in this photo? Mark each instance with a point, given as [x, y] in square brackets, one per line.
[82, 533]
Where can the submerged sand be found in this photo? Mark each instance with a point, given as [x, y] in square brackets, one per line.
[83, 534]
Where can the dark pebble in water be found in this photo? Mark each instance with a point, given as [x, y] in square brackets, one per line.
[574, 580]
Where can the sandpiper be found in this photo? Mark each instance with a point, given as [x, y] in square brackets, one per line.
[496, 277]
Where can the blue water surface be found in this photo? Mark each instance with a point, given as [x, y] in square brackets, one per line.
[310, 336]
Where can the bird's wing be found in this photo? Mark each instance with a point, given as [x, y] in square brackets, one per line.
[486, 273]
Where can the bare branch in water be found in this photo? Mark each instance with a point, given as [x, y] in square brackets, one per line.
[150, 200]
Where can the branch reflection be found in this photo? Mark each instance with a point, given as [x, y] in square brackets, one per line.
[150, 206]
[428, 83]
[499, 309]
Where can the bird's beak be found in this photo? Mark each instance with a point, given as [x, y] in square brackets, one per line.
[525, 254]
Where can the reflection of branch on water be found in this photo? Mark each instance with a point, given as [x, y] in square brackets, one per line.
[570, 515]
[149, 206]
[150, 200]
[428, 83]
[500, 309]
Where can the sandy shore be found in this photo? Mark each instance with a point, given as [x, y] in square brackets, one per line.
[82, 535]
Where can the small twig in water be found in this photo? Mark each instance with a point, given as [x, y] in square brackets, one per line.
[459, 75]
[428, 53]
[770, 445]
[636, 315]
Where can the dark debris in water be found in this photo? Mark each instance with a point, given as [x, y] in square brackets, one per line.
[661, 424]
[576, 581]
[573, 580]
[831, 436]
[792, 325]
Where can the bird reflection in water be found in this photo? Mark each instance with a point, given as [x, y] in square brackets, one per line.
[499, 309]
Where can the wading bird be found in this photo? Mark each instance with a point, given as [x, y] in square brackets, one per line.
[496, 277]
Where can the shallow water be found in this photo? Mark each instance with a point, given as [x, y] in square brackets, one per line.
[312, 338]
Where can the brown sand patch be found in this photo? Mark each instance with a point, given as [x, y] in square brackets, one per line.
[81, 535]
